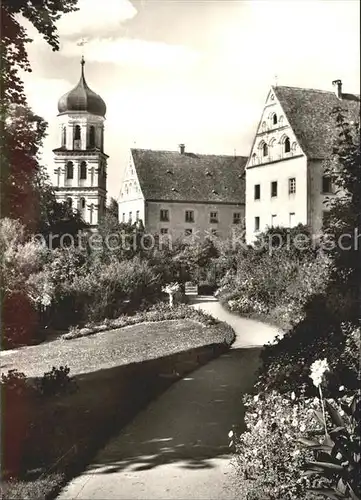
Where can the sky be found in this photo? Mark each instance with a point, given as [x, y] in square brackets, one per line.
[190, 71]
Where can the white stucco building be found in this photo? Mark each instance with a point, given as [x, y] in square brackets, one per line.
[285, 179]
[81, 164]
[180, 193]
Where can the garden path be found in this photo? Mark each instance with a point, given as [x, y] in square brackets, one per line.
[178, 447]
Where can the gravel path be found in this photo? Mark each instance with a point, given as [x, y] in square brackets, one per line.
[177, 448]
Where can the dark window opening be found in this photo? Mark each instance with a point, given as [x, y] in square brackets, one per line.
[213, 217]
[256, 223]
[92, 136]
[83, 170]
[265, 150]
[164, 215]
[69, 170]
[236, 217]
[287, 145]
[326, 184]
[189, 216]
[275, 119]
[274, 187]
[257, 191]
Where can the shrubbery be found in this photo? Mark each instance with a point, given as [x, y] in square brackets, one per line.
[15, 385]
[275, 282]
[159, 312]
[326, 292]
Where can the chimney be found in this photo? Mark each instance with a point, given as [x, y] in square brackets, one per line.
[182, 148]
[338, 90]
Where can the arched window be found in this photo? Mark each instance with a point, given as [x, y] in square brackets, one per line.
[82, 205]
[274, 119]
[69, 202]
[77, 137]
[287, 145]
[265, 149]
[83, 170]
[77, 133]
[63, 136]
[91, 136]
[69, 170]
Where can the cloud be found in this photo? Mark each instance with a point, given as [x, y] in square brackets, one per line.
[95, 16]
[134, 52]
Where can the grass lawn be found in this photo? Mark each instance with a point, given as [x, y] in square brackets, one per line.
[117, 373]
[104, 350]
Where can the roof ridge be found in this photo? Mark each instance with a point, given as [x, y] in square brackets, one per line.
[304, 88]
[191, 152]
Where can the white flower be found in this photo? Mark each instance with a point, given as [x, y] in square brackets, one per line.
[341, 388]
[302, 427]
[318, 369]
[293, 396]
[255, 398]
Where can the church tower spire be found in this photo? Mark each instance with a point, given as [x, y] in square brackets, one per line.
[80, 161]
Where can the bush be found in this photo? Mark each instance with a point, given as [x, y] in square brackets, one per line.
[56, 382]
[268, 456]
[286, 363]
[16, 386]
[275, 284]
[159, 312]
[18, 329]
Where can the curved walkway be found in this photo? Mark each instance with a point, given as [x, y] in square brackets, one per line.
[177, 447]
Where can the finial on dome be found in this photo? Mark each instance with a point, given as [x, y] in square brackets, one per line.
[82, 61]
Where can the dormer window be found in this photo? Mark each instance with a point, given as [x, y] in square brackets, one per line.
[287, 145]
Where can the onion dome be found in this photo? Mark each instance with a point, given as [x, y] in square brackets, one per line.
[82, 98]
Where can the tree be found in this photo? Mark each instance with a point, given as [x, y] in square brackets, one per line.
[43, 15]
[344, 218]
[21, 131]
[113, 208]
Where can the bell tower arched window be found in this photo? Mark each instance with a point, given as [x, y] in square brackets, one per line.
[69, 170]
[63, 136]
[91, 136]
[82, 206]
[77, 137]
[287, 145]
[83, 170]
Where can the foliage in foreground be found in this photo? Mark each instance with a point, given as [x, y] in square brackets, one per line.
[337, 456]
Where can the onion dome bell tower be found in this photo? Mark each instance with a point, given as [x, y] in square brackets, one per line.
[80, 161]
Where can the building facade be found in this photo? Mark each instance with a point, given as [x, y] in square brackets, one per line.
[286, 178]
[180, 194]
[80, 161]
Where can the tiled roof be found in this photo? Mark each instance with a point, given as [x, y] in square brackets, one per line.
[172, 176]
[309, 113]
